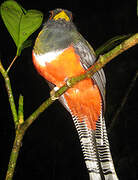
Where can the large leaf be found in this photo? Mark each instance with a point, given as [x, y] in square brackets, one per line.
[19, 22]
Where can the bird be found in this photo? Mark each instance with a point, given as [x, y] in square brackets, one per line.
[59, 53]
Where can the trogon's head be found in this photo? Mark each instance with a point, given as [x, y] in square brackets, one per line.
[57, 33]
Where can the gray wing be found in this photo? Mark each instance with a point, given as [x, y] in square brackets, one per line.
[87, 58]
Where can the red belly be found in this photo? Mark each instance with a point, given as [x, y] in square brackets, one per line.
[84, 98]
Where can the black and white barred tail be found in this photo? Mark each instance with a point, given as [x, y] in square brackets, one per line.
[96, 151]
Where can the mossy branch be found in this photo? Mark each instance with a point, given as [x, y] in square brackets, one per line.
[22, 126]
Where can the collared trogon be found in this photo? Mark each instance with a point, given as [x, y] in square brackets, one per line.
[60, 52]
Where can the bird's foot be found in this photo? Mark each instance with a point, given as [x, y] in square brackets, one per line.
[68, 82]
[52, 93]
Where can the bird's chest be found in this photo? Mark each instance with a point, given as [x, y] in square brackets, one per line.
[57, 66]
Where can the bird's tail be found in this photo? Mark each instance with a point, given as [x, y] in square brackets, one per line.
[94, 143]
[95, 147]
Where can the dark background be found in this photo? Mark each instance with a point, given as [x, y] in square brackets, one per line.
[50, 148]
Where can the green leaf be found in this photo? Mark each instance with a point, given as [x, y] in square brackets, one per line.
[26, 44]
[20, 22]
[111, 43]
[11, 14]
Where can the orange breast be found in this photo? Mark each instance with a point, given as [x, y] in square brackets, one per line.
[84, 99]
[65, 65]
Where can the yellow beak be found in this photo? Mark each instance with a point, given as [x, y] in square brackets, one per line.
[61, 15]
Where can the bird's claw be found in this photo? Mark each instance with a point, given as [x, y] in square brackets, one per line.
[68, 82]
[52, 93]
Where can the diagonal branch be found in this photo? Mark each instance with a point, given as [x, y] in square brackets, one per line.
[102, 60]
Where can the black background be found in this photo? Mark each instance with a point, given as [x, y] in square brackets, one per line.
[50, 148]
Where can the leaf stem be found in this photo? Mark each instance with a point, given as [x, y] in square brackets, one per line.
[11, 63]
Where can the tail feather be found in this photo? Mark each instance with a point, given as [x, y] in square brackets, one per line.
[93, 176]
[95, 147]
[104, 150]
[88, 145]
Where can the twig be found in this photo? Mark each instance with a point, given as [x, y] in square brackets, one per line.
[10, 94]
[20, 110]
[123, 102]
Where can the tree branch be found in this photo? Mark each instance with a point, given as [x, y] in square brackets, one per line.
[14, 153]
